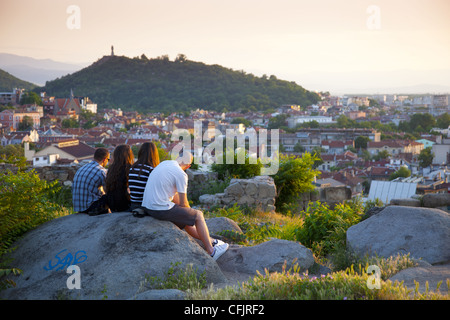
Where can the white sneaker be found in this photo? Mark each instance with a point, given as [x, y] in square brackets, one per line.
[219, 250]
[217, 242]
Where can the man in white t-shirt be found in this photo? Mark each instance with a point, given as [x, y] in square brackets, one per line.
[165, 198]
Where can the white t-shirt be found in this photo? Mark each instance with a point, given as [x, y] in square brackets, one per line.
[166, 179]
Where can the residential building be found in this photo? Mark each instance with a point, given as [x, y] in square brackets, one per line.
[293, 121]
[441, 152]
[322, 134]
[10, 118]
[19, 137]
[394, 147]
[11, 98]
[337, 146]
[73, 150]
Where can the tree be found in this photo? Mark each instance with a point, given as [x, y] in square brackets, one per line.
[235, 169]
[70, 123]
[443, 121]
[278, 121]
[244, 121]
[295, 176]
[25, 124]
[384, 154]
[426, 157]
[31, 98]
[425, 120]
[361, 142]
[298, 147]
[402, 172]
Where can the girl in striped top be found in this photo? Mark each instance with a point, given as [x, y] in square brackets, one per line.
[148, 158]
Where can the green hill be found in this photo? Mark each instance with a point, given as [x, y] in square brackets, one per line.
[8, 82]
[150, 85]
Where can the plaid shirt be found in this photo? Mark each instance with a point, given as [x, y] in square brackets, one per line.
[86, 185]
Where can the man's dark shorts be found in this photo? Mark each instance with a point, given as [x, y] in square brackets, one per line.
[180, 216]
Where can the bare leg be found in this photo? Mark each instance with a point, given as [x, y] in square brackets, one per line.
[200, 231]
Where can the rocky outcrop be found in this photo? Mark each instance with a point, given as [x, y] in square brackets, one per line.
[431, 200]
[271, 255]
[114, 253]
[258, 192]
[422, 232]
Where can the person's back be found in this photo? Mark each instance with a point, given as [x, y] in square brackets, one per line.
[137, 181]
[165, 181]
[86, 185]
[165, 198]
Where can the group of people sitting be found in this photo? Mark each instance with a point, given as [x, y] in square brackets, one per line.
[144, 187]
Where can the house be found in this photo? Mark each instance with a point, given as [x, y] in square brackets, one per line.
[336, 160]
[426, 143]
[293, 121]
[10, 118]
[72, 149]
[19, 137]
[441, 152]
[337, 146]
[394, 147]
[380, 173]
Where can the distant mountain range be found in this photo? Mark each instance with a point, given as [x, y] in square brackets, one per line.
[162, 85]
[36, 71]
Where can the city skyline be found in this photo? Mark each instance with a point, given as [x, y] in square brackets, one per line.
[354, 45]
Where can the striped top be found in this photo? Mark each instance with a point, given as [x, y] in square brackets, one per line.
[138, 182]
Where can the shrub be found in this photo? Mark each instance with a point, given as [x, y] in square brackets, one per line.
[24, 204]
[324, 229]
[295, 176]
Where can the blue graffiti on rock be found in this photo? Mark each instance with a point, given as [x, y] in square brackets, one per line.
[63, 261]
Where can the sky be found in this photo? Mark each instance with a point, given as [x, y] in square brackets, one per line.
[325, 45]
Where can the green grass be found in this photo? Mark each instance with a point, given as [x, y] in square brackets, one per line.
[325, 236]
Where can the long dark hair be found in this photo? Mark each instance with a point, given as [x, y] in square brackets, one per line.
[148, 154]
[123, 159]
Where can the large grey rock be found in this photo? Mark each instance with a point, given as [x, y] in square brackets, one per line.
[258, 192]
[422, 232]
[220, 224]
[114, 252]
[271, 255]
[435, 200]
[423, 274]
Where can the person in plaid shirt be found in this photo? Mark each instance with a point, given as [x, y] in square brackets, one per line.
[88, 194]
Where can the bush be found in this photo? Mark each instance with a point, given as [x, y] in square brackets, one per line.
[295, 176]
[324, 229]
[24, 204]
[237, 170]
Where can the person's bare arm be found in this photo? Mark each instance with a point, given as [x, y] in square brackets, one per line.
[182, 200]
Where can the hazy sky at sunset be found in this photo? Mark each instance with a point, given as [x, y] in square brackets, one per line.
[320, 44]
